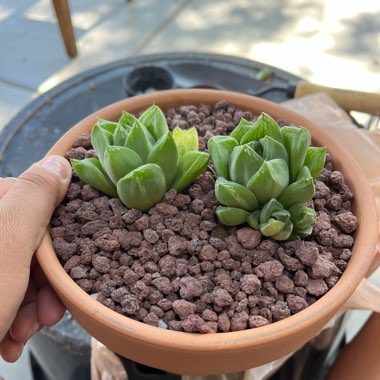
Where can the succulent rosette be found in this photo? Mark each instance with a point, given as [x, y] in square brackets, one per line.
[265, 176]
[139, 159]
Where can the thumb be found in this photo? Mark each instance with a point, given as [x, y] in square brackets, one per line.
[26, 209]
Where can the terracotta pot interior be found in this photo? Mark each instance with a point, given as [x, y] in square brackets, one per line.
[319, 311]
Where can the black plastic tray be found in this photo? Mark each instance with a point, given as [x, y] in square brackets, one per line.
[31, 133]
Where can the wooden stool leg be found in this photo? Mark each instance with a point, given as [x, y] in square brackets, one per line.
[62, 11]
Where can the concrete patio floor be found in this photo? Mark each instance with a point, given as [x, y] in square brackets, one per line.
[329, 42]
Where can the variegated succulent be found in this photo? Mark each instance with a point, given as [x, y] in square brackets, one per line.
[139, 159]
[265, 176]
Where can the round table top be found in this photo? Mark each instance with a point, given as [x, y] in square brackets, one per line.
[30, 134]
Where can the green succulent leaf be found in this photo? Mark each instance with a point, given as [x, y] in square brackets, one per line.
[315, 160]
[263, 126]
[271, 227]
[285, 233]
[120, 136]
[154, 121]
[108, 126]
[186, 140]
[90, 171]
[283, 215]
[253, 220]
[301, 233]
[243, 164]
[269, 208]
[140, 140]
[241, 129]
[256, 146]
[270, 180]
[100, 139]
[127, 120]
[296, 142]
[300, 191]
[143, 187]
[119, 161]
[234, 195]
[301, 216]
[231, 216]
[220, 148]
[165, 154]
[272, 149]
[190, 167]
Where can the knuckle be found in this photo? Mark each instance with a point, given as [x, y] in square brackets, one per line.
[36, 179]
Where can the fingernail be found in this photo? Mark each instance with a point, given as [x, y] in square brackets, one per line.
[57, 165]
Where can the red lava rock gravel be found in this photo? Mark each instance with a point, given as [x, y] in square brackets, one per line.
[175, 267]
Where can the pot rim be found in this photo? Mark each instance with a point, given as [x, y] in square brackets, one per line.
[326, 306]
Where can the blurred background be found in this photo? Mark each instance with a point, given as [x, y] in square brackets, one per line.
[329, 42]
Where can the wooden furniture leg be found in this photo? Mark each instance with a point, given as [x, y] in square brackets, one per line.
[62, 11]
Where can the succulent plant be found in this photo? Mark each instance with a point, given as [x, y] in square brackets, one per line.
[265, 176]
[139, 159]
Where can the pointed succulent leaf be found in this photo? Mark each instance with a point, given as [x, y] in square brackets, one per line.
[108, 126]
[186, 140]
[302, 216]
[155, 122]
[300, 191]
[220, 149]
[301, 233]
[127, 120]
[269, 208]
[263, 126]
[270, 180]
[165, 154]
[285, 233]
[315, 160]
[271, 227]
[243, 164]
[231, 216]
[281, 215]
[256, 146]
[272, 149]
[190, 167]
[308, 218]
[90, 171]
[140, 140]
[296, 142]
[119, 161]
[234, 195]
[100, 139]
[241, 129]
[253, 220]
[143, 187]
[120, 136]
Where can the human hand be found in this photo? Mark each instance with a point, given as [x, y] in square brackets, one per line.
[27, 301]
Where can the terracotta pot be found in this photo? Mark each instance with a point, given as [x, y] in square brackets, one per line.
[197, 354]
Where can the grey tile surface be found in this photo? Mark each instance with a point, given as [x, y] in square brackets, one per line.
[317, 40]
[34, 51]
[12, 99]
[119, 36]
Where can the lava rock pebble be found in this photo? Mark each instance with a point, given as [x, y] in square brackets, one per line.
[175, 267]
